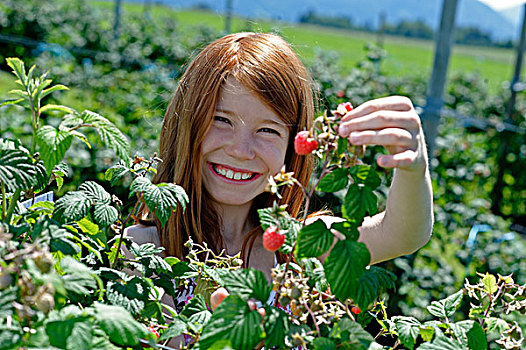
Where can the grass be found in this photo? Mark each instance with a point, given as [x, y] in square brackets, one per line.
[405, 56]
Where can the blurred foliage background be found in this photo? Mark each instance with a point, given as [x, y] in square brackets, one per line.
[478, 171]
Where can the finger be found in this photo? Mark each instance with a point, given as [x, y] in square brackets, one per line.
[217, 297]
[400, 160]
[381, 120]
[384, 137]
[262, 313]
[252, 305]
[392, 103]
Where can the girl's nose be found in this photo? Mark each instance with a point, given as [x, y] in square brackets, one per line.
[241, 146]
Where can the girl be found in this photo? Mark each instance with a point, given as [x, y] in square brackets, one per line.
[231, 124]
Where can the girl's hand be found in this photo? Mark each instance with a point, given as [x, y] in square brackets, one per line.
[393, 123]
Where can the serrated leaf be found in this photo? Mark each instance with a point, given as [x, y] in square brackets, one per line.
[161, 199]
[359, 201]
[233, 321]
[441, 342]
[88, 227]
[119, 325]
[79, 278]
[73, 333]
[247, 283]
[446, 307]
[347, 228]
[116, 172]
[496, 324]
[323, 344]
[73, 206]
[105, 214]
[17, 65]
[276, 327]
[344, 266]
[55, 108]
[490, 283]
[334, 181]
[95, 192]
[348, 331]
[196, 311]
[373, 281]
[470, 333]
[175, 328]
[408, 329]
[366, 175]
[110, 135]
[131, 294]
[17, 169]
[53, 145]
[313, 240]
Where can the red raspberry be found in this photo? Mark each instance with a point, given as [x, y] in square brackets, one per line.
[272, 239]
[355, 310]
[154, 331]
[304, 144]
[340, 93]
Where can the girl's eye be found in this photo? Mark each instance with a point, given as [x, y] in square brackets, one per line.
[271, 131]
[222, 119]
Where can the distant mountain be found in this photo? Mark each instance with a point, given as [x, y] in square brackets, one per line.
[470, 12]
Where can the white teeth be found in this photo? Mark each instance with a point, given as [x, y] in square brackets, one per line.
[245, 176]
[237, 176]
[229, 174]
[222, 172]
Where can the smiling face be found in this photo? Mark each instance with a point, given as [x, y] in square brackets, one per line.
[246, 144]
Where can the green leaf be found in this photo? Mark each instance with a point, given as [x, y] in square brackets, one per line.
[175, 328]
[11, 102]
[110, 135]
[490, 283]
[359, 201]
[17, 65]
[53, 89]
[95, 192]
[374, 281]
[366, 175]
[348, 331]
[119, 325]
[53, 145]
[161, 199]
[131, 294]
[408, 329]
[73, 206]
[315, 273]
[446, 307]
[105, 214]
[247, 283]
[323, 344]
[55, 108]
[196, 311]
[344, 266]
[73, 333]
[313, 240]
[116, 172]
[17, 169]
[348, 228]
[235, 322]
[79, 278]
[471, 334]
[496, 324]
[441, 342]
[342, 145]
[276, 327]
[87, 226]
[334, 181]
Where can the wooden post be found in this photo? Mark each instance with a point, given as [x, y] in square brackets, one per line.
[437, 82]
[518, 67]
[116, 22]
[228, 16]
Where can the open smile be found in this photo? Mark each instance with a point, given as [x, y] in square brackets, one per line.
[233, 175]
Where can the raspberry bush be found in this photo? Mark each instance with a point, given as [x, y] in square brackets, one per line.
[66, 283]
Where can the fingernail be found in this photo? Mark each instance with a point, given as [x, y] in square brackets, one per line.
[382, 161]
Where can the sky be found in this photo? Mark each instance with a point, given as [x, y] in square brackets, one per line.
[502, 4]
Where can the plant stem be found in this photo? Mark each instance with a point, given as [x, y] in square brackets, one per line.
[306, 304]
[311, 192]
[12, 205]
[4, 200]
[122, 230]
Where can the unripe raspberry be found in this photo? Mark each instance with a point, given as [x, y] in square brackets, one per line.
[272, 239]
[217, 297]
[304, 144]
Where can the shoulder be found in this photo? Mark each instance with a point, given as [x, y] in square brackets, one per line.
[142, 234]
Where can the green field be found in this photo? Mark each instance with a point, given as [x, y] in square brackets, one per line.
[405, 56]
